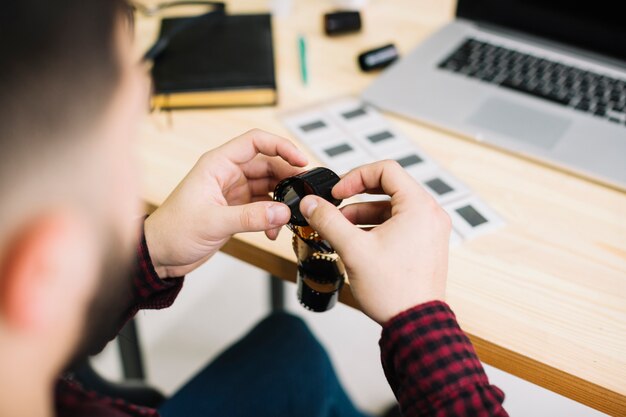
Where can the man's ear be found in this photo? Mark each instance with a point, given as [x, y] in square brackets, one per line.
[37, 269]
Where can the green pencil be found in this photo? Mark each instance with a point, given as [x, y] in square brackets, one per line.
[303, 61]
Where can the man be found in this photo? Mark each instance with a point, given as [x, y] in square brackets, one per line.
[71, 95]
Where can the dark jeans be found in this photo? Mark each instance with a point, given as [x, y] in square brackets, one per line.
[278, 369]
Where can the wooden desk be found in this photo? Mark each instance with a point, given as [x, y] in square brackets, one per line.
[543, 299]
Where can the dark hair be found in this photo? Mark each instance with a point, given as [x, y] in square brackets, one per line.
[58, 66]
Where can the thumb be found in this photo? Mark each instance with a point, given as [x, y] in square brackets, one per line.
[331, 224]
[253, 217]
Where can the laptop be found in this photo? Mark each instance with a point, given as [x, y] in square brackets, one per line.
[542, 78]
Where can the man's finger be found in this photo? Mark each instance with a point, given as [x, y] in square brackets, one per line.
[262, 197]
[373, 213]
[253, 217]
[330, 223]
[386, 175]
[262, 186]
[245, 147]
[272, 234]
[269, 167]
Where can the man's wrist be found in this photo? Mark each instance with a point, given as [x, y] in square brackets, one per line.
[151, 239]
[419, 305]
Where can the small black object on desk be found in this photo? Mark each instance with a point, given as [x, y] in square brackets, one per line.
[342, 22]
[378, 58]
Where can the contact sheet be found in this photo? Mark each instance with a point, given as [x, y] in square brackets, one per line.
[347, 132]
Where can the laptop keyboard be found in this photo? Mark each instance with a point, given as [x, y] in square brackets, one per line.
[585, 91]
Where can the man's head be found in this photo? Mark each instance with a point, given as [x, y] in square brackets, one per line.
[70, 96]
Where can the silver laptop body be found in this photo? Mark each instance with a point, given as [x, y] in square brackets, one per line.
[543, 115]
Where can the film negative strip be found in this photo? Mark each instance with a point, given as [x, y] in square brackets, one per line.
[471, 217]
[346, 132]
[321, 273]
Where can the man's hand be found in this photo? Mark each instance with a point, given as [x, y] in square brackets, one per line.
[226, 192]
[403, 260]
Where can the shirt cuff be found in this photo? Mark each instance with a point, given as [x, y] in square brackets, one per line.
[150, 290]
[427, 357]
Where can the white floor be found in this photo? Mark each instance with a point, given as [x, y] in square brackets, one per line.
[225, 298]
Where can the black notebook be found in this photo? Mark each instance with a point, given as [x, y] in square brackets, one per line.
[225, 62]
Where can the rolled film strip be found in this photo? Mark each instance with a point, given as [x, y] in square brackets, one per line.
[321, 273]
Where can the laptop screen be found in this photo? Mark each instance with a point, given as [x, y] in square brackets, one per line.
[596, 25]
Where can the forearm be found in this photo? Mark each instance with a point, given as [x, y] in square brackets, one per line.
[149, 290]
[432, 367]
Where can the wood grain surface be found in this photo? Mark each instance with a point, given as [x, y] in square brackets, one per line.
[543, 298]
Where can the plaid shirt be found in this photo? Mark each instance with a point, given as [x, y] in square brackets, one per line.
[432, 367]
[429, 362]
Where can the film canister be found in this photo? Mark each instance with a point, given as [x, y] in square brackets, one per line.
[378, 58]
[319, 181]
[321, 273]
[341, 22]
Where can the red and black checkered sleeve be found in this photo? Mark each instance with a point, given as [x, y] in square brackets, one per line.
[432, 367]
[150, 291]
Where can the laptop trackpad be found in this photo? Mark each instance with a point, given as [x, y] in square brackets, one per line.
[519, 122]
